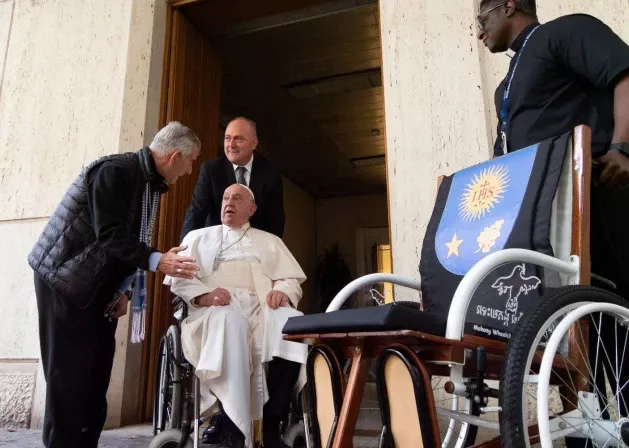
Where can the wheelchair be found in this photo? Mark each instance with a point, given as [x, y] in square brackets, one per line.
[176, 401]
[561, 379]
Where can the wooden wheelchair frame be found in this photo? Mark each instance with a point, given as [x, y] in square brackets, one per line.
[442, 356]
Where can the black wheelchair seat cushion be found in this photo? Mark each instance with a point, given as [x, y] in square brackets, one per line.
[400, 316]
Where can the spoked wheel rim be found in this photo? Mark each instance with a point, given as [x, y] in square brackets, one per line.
[529, 394]
[603, 411]
[565, 393]
[164, 388]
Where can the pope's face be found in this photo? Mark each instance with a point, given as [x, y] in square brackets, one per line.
[238, 206]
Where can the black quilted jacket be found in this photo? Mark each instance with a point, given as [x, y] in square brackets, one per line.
[91, 241]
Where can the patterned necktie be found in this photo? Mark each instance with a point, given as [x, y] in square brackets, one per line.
[240, 175]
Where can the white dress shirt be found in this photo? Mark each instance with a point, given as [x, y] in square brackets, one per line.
[247, 170]
[236, 247]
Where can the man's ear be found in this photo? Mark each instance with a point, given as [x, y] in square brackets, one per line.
[253, 209]
[255, 143]
[174, 157]
[509, 8]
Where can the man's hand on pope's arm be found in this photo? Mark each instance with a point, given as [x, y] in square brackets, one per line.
[276, 299]
[218, 297]
[177, 266]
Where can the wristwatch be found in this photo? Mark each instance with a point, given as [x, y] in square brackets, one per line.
[622, 147]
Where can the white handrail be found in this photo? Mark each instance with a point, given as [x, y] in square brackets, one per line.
[370, 279]
[474, 277]
[468, 285]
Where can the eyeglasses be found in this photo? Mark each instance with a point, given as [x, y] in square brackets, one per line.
[482, 17]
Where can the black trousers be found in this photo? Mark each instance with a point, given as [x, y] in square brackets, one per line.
[609, 242]
[280, 383]
[77, 351]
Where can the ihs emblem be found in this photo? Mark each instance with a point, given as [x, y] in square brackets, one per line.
[484, 192]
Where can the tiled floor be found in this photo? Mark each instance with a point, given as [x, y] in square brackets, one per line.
[129, 437]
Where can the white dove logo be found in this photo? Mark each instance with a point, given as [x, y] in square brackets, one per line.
[524, 285]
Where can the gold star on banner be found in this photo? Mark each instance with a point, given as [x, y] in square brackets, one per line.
[453, 246]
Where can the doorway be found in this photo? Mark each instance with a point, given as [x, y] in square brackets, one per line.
[308, 72]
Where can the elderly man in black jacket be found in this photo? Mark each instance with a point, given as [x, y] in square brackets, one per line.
[93, 247]
[238, 166]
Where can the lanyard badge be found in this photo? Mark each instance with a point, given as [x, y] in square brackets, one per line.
[504, 110]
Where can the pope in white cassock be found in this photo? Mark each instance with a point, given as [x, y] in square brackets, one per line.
[247, 287]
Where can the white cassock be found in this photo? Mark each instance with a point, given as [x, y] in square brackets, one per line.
[230, 346]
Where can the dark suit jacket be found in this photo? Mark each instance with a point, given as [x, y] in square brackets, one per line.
[218, 174]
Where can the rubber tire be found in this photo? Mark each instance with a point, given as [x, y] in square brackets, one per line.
[169, 439]
[174, 342]
[472, 431]
[157, 385]
[295, 436]
[171, 343]
[512, 375]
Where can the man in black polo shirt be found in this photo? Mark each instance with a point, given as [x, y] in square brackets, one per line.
[570, 71]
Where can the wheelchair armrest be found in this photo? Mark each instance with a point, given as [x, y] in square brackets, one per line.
[370, 279]
[474, 277]
[181, 309]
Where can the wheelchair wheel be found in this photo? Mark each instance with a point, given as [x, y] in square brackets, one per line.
[169, 439]
[587, 393]
[167, 396]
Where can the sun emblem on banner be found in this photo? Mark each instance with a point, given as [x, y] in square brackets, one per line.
[484, 192]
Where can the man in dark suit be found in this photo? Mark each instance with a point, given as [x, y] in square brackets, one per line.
[238, 166]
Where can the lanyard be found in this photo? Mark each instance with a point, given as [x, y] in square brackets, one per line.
[504, 110]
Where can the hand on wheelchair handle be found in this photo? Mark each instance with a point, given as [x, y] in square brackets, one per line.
[177, 266]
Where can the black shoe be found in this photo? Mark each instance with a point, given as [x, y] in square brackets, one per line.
[212, 434]
[232, 437]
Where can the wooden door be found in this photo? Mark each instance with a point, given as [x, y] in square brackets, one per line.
[190, 95]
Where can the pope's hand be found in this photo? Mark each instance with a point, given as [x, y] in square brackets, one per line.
[276, 299]
[218, 297]
[177, 266]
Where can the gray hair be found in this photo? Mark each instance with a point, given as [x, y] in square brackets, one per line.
[172, 137]
[251, 123]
